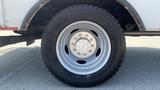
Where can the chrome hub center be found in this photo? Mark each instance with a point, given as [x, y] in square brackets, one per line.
[82, 44]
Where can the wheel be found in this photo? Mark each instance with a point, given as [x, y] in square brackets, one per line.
[83, 46]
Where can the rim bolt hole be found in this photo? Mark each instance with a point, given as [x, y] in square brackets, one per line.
[81, 62]
[98, 52]
[95, 33]
[66, 49]
[74, 31]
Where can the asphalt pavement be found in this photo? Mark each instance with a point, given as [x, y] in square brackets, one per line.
[22, 68]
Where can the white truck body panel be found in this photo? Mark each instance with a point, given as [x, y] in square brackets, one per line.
[13, 12]
[1, 15]
[149, 12]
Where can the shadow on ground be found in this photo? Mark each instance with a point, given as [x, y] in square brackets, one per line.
[23, 69]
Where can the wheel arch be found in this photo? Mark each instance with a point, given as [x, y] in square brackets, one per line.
[124, 4]
[31, 13]
[133, 13]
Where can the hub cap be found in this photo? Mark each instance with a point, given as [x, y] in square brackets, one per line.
[83, 44]
[83, 48]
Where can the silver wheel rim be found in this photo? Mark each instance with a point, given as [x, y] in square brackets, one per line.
[83, 47]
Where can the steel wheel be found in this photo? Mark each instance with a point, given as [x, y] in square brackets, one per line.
[83, 47]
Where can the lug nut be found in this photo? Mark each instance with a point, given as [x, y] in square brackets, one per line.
[85, 54]
[72, 43]
[90, 51]
[80, 34]
[92, 45]
[75, 38]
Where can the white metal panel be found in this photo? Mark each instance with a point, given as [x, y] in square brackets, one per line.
[16, 10]
[1, 14]
[149, 11]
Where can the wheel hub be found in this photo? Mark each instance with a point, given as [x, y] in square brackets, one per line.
[83, 44]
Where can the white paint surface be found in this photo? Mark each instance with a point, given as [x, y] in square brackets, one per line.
[1, 16]
[15, 11]
[149, 11]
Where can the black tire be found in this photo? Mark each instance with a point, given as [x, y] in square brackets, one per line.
[89, 13]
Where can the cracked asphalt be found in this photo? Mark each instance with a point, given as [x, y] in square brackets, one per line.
[22, 68]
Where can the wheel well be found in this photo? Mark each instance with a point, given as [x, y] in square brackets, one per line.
[44, 15]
